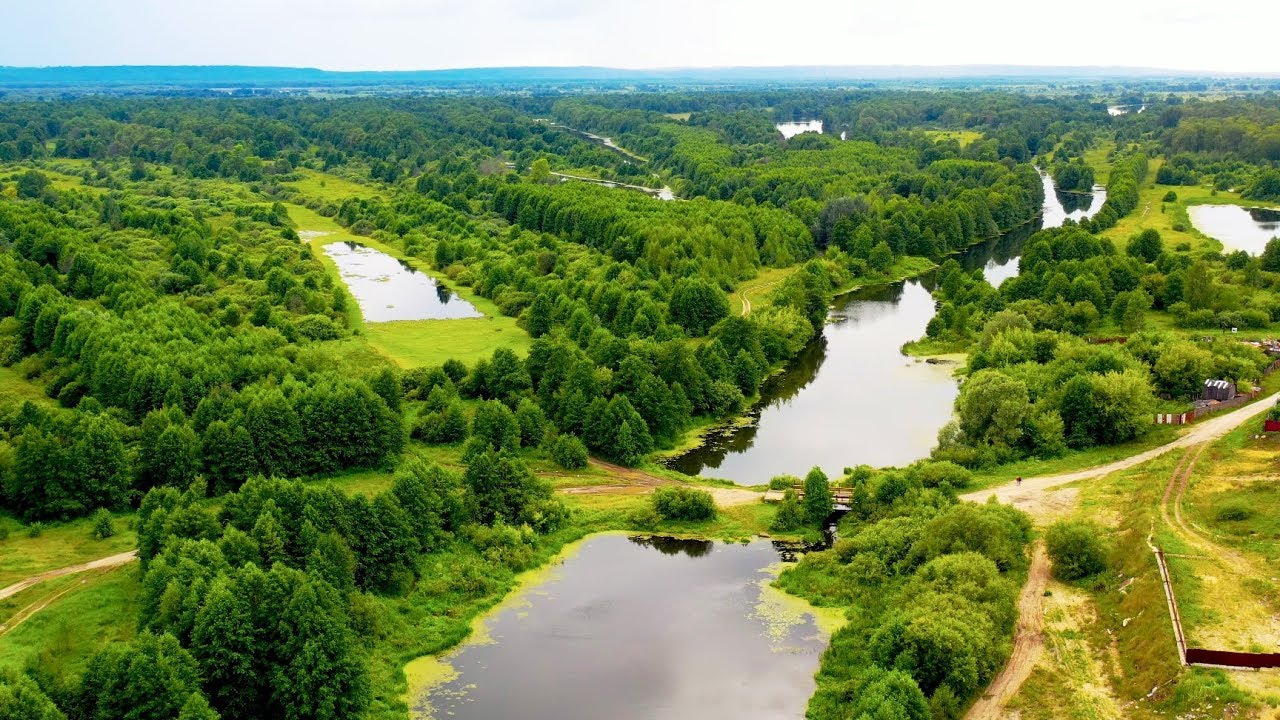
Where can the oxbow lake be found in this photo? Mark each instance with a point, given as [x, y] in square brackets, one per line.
[390, 289]
[851, 397]
[1238, 228]
[791, 129]
[634, 628]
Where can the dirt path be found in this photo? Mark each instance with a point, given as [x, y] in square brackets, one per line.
[1031, 495]
[1028, 642]
[746, 302]
[1171, 514]
[106, 562]
[639, 482]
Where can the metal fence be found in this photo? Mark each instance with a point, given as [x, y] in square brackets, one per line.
[1226, 658]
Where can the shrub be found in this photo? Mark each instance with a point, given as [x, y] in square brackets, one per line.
[569, 452]
[786, 482]
[1233, 511]
[790, 515]
[683, 503]
[1076, 549]
[1171, 196]
[102, 527]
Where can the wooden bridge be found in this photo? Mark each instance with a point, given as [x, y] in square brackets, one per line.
[841, 496]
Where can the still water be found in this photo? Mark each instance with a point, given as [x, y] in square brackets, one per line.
[1238, 228]
[791, 129]
[851, 397]
[391, 289]
[639, 628]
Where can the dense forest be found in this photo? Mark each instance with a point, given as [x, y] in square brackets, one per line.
[203, 371]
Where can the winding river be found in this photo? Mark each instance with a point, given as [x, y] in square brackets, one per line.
[851, 397]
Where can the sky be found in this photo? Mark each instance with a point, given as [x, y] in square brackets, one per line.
[431, 34]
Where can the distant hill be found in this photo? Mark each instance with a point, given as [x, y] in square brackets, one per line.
[232, 77]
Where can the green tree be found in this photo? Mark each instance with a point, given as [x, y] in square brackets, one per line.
[229, 651]
[818, 503]
[696, 305]
[1145, 246]
[503, 489]
[569, 452]
[495, 424]
[992, 407]
[151, 678]
[22, 699]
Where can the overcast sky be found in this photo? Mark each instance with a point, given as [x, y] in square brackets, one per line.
[426, 34]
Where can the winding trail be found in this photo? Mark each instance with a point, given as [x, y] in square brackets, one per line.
[1030, 495]
[746, 301]
[106, 562]
[1028, 642]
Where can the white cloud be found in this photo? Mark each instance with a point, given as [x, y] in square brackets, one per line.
[408, 34]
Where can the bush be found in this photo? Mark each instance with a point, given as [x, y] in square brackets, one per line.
[1233, 511]
[1171, 196]
[102, 527]
[786, 482]
[1076, 549]
[790, 515]
[569, 452]
[683, 503]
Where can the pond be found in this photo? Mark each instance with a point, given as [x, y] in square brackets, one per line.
[632, 628]
[1116, 110]
[390, 289]
[791, 129]
[1238, 228]
[851, 397]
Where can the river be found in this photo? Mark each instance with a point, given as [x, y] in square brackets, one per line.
[1238, 228]
[632, 628]
[851, 397]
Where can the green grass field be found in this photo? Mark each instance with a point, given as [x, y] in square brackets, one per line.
[96, 609]
[331, 188]
[964, 137]
[58, 545]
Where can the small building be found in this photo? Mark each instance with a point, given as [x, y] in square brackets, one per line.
[1219, 390]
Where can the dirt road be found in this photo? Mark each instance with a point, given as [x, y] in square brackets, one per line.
[106, 562]
[1030, 496]
[1028, 642]
[639, 482]
[746, 302]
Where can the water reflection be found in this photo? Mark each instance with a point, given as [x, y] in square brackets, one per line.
[388, 288]
[1238, 228]
[626, 633]
[666, 545]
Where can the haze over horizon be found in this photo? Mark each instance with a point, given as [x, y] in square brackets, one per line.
[441, 34]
